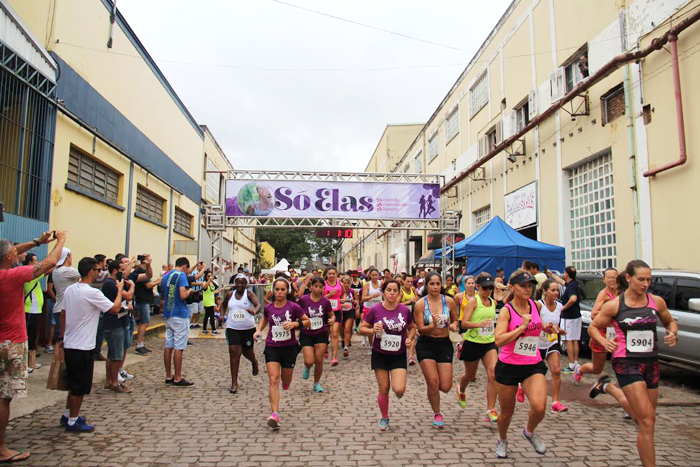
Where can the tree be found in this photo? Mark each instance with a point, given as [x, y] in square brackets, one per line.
[296, 244]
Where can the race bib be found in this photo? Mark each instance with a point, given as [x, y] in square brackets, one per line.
[347, 306]
[640, 341]
[316, 323]
[334, 304]
[526, 346]
[610, 333]
[237, 315]
[280, 334]
[390, 342]
[487, 331]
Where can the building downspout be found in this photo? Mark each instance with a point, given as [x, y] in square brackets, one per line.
[632, 159]
[673, 39]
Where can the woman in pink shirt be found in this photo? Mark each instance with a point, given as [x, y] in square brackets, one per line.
[333, 291]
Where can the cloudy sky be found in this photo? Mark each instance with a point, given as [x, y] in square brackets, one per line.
[285, 88]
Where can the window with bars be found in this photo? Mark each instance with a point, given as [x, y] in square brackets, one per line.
[482, 217]
[88, 175]
[183, 222]
[592, 212]
[149, 204]
[479, 94]
[452, 125]
[613, 104]
[433, 147]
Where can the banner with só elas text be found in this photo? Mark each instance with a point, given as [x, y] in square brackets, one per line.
[282, 198]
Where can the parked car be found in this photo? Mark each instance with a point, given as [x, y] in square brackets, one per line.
[681, 291]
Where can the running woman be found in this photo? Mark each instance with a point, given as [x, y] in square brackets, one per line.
[314, 341]
[435, 315]
[450, 288]
[635, 315]
[348, 305]
[392, 325]
[242, 305]
[371, 296]
[517, 333]
[550, 312]
[356, 286]
[333, 291]
[478, 323]
[281, 346]
[409, 296]
[461, 299]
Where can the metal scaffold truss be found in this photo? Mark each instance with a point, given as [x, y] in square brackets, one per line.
[377, 177]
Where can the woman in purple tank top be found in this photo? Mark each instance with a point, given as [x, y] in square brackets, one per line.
[635, 314]
[517, 334]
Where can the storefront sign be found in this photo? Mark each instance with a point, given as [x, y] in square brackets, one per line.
[521, 206]
[273, 198]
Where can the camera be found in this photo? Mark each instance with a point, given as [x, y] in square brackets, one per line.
[140, 258]
[195, 297]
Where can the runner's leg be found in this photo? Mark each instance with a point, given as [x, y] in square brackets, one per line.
[642, 401]
[489, 361]
[432, 382]
[319, 350]
[398, 381]
[506, 400]
[273, 371]
[553, 364]
[234, 356]
[535, 388]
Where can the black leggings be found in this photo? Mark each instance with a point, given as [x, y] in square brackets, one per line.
[32, 329]
[209, 315]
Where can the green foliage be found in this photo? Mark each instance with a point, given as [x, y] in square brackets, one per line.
[297, 244]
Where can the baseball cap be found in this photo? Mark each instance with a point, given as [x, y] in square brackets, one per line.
[484, 281]
[522, 279]
[64, 254]
[354, 273]
[403, 271]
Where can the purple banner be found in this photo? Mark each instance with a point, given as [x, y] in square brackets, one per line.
[280, 198]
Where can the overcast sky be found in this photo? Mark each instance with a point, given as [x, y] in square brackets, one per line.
[283, 88]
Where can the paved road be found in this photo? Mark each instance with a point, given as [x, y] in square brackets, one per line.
[205, 425]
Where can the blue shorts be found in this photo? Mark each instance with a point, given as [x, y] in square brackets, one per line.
[143, 311]
[115, 343]
[176, 332]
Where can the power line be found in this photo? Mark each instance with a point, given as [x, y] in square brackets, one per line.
[406, 36]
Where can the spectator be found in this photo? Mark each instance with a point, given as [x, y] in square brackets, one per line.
[33, 304]
[570, 315]
[104, 274]
[83, 305]
[13, 331]
[540, 277]
[143, 297]
[63, 276]
[51, 324]
[386, 275]
[500, 273]
[175, 291]
[116, 326]
[196, 308]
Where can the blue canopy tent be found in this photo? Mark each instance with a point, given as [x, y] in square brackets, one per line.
[497, 245]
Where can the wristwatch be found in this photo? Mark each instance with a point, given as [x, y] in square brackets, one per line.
[36, 242]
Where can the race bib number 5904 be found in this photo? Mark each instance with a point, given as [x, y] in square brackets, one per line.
[640, 341]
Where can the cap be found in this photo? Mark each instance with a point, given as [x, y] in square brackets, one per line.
[245, 270]
[522, 279]
[484, 281]
[359, 270]
[286, 273]
[499, 269]
[64, 255]
[241, 276]
[354, 273]
[403, 271]
[320, 270]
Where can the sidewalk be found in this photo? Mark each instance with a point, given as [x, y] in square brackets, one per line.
[39, 397]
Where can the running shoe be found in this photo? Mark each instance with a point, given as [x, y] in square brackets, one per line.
[215, 331]
[183, 383]
[126, 375]
[567, 370]
[520, 396]
[78, 427]
[438, 422]
[37, 366]
[318, 388]
[411, 361]
[502, 449]
[273, 421]
[334, 362]
[120, 378]
[576, 375]
[364, 341]
[627, 417]
[64, 420]
[345, 352]
[305, 372]
[597, 388]
[536, 442]
[325, 357]
[461, 397]
[383, 424]
[48, 349]
[141, 350]
[169, 380]
[559, 407]
[491, 416]
[205, 331]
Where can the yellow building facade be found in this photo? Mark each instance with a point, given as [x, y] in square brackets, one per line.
[267, 255]
[575, 177]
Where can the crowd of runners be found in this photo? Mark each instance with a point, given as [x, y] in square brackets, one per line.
[512, 325]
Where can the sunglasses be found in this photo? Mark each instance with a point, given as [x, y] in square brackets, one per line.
[97, 269]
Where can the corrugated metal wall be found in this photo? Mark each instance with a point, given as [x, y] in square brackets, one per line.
[23, 229]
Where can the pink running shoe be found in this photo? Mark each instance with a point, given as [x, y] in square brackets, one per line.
[559, 407]
[520, 396]
[411, 361]
[334, 362]
[273, 421]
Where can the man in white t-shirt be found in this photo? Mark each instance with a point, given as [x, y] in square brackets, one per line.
[83, 305]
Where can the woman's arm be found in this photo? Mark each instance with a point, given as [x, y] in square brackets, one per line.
[603, 320]
[419, 318]
[454, 314]
[261, 326]
[501, 333]
[468, 312]
[669, 323]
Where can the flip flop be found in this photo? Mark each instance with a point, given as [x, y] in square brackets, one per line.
[15, 458]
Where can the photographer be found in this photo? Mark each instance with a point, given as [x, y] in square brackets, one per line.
[177, 319]
[195, 307]
[143, 297]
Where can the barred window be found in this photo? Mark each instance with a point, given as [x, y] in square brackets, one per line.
[149, 205]
[479, 94]
[87, 174]
[482, 217]
[592, 211]
[183, 222]
[433, 149]
[613, 104]
[452, 125]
